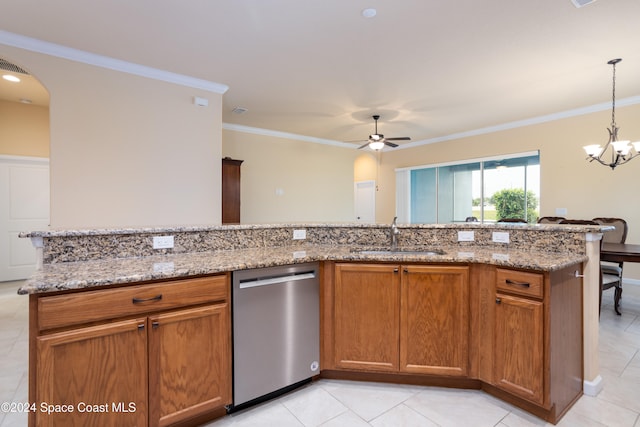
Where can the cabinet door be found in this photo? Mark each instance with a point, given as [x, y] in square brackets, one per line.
[366, 304]
[100, 372]
[189, 363]
[434, 334]
[519, 349]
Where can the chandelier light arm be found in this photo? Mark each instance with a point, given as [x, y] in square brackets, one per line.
[621, 151]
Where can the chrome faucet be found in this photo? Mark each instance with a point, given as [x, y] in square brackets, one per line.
[394, 232]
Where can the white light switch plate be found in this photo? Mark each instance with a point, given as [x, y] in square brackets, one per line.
[162, 242]
[299, 234]
[500, 237]
[465, 236]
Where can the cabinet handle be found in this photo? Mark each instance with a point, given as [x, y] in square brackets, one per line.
[141, 327]
[141, 300]
[406, 271]
[395, 270]
[498, 300]
[513, 282]
[155, 324]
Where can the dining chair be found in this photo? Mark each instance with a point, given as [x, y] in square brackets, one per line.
[612, 271]
[471, 219]
[518, 220]
[550, 219]
[607, 280]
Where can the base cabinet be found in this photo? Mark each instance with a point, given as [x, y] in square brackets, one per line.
[519, 347]
[93, 376]
[166, 363]
[401, 318]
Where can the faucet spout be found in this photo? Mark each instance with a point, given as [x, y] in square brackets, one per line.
[394, 233]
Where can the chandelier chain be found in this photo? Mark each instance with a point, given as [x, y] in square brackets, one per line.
[613, 106]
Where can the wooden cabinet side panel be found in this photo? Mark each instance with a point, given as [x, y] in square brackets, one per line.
[366, 324]
[434, 337]
[327, 278]
[99, 365]
[566, 337]
[519, 347]
[189, 363]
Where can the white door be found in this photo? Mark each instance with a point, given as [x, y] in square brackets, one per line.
[24, 206]
[365, 199]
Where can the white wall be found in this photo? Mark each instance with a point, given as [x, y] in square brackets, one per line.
[127, 151]
[285, 180]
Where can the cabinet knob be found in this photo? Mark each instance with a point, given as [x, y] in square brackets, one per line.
[141, 327]
[498, 300]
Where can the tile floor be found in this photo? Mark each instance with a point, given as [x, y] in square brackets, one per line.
[330, 403]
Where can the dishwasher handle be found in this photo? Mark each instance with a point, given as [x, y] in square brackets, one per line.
[252, 283]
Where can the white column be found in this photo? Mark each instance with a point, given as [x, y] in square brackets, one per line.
[591, 318]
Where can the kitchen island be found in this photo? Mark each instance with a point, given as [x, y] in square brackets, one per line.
[80, 266]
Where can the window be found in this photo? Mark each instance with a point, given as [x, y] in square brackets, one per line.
[485, 189]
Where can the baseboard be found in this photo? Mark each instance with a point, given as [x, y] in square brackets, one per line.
[592, 388]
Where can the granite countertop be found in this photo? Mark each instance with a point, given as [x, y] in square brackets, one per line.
[87, 274]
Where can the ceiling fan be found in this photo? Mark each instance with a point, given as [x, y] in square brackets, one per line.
[377, 141]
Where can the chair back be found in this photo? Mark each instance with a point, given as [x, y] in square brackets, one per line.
[550, 219]
[619, 235]
[518, 220]
[579, 222]
[471, 219]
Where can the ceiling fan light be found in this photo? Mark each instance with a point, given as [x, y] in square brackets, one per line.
[636, 145]
[376, 145]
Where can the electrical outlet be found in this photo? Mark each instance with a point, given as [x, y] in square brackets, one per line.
[162, 242]
[299, 234]
[500, 237]
[465, 236]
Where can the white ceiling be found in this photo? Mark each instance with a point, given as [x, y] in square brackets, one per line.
[318, 68]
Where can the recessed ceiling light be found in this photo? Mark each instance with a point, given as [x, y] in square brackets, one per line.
[369, 13]
[11, 78]
[25, 101]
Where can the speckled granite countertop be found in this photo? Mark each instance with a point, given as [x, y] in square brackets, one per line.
[86, 274]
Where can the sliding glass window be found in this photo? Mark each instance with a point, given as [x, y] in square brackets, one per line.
[485, 190]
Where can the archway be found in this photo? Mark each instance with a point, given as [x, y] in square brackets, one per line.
[24, 167]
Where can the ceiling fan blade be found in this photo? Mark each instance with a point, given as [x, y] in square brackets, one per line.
[400, 138]
[364, 145]
[390, 144]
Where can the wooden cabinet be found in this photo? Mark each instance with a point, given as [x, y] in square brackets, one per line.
[519, 346]
[98, 372]
[535, 347]
[161, 356]
[401, 318]
[518, 350]
[434, 320]
[367, 317]
[231, 190]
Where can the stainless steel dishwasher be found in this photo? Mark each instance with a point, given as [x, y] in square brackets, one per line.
[276, 331]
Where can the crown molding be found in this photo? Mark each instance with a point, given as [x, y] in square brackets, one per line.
[59, 51]
[633, 100]
[285, 135]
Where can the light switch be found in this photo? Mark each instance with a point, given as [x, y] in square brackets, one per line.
[162, 242]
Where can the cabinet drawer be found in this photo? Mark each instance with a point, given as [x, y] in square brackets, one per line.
[65, 310]
[520, 282]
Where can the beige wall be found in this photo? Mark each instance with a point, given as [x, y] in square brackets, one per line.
[24, 129]
[316, 181]
[127, 151]
[568, 181]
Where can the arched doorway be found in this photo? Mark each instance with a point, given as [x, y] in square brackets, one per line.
[24, 167]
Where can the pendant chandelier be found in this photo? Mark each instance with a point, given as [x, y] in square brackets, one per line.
[621, 151]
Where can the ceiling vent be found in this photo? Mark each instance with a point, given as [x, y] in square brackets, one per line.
[580, 3]
[8, 66]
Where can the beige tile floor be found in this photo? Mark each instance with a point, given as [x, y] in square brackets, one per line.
[330, 403]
